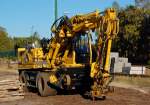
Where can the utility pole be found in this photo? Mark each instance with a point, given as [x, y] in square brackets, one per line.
[55, 8]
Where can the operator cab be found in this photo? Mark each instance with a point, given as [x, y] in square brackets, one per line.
[82, 48]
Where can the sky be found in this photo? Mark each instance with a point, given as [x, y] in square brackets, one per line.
[23, 17]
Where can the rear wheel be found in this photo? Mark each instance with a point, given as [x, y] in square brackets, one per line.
[42, 85]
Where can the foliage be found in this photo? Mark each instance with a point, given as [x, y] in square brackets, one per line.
[133, 40]
[5, 41]
[8, 44]
[23, 41]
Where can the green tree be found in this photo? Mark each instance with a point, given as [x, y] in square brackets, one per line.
[6, 43]
[24, 41]
[144, 46]
[133, 39]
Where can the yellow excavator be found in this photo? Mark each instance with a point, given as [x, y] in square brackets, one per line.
[68, 61]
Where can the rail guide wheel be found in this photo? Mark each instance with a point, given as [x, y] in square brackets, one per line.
[42, 84]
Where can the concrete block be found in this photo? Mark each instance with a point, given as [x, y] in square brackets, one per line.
[122, 59]
[127, 65]
[119, 64]
[114, 54]
[126, 70]
[118, 67]
[138, 70]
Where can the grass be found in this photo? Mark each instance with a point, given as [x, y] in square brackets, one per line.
[138, 81]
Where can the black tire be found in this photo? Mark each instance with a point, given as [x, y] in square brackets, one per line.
[23, 80]
[42, 85]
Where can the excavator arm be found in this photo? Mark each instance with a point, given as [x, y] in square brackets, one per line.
[106, 24]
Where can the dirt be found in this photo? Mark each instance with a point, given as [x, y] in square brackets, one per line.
[121, 96]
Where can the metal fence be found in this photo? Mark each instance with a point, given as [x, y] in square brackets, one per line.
[8, 54]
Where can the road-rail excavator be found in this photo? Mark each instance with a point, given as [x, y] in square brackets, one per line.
[68, 62]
